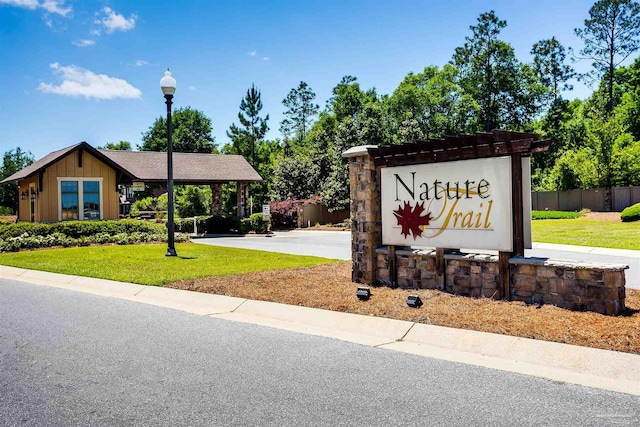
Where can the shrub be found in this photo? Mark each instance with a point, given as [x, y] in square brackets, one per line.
[554, 215]
[222, 224]
[284, 215]
[146, 204]
[155, 204]
[631, 213]
[254, 223]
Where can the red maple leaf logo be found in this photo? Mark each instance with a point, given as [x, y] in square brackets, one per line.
[410, 220]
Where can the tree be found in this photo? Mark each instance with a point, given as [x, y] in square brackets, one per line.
[348, 99]
[12, 161]
[295, 177]
[191, 133]
[335, 188]
[122, 145]
[434, 102]
[192, 200]
[299, 113]
[506, 90]
[372, 126]
[610, 35]
[548, 62]
[626, 167]
[574, 169]
[254, 127]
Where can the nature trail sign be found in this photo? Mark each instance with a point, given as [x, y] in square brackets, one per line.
[464, 203]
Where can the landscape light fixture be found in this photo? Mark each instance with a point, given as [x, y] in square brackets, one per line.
[414, 301]
[168, 86]
[363, 293]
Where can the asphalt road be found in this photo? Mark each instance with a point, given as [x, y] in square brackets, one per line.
[69, 358]
[337, 244]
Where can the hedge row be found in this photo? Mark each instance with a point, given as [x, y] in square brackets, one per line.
[27, 235]
[223, 224]
[77, 229]
[13, 244]
[555, 215]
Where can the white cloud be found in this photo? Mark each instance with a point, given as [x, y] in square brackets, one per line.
[83, 43]
[77, 81]
[266, 58]
[113, 21]
[252, 53]
[58, 7]
[192, 88]
[51, 6]
[141, 63]
[29, 4]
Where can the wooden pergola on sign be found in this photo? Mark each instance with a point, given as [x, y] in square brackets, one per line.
[471, 191]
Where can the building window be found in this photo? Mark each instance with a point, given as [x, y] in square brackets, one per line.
[80, 195]
[69, 200]
[91, 199]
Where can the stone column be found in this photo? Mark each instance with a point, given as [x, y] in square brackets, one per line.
[242, 199]
[366, 218]
[216, 199]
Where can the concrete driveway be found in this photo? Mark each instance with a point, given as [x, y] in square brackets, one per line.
[337, 245]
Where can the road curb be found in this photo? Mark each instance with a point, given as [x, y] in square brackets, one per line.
[366, 330]
[604, 369]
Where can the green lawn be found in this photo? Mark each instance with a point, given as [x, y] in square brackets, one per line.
[147, 264]
[588, 232]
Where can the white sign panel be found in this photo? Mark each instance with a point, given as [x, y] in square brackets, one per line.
[266, 210]
[138, 186]
[460, 204]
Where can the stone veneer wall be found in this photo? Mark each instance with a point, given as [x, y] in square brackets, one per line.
[366, 224]
[572, 285]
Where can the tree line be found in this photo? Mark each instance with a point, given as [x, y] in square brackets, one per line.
[596, 141]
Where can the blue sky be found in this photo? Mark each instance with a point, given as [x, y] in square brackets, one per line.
[90, 70]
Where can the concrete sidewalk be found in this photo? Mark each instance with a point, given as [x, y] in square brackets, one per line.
[609, 370]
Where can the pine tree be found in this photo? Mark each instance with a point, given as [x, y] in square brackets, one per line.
[245, 139]
[610, 35]
[300, 112]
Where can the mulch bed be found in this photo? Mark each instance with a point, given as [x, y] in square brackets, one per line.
[330, 287]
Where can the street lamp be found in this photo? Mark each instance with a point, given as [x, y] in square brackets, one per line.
[168, 85]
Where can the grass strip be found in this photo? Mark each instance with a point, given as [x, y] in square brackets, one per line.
[588, 232]
[148, 265]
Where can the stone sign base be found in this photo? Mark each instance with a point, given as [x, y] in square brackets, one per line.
[573, 285]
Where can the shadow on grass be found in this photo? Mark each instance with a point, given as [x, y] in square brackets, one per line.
[187, 257]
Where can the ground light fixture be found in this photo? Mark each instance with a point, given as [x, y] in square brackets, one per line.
[363, 293]
[168, 86]
[414, 301]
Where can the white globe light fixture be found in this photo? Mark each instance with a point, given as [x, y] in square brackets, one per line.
[168, 86]
[168, 83]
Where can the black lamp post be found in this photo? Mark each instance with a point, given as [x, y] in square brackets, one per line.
[168, 85]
